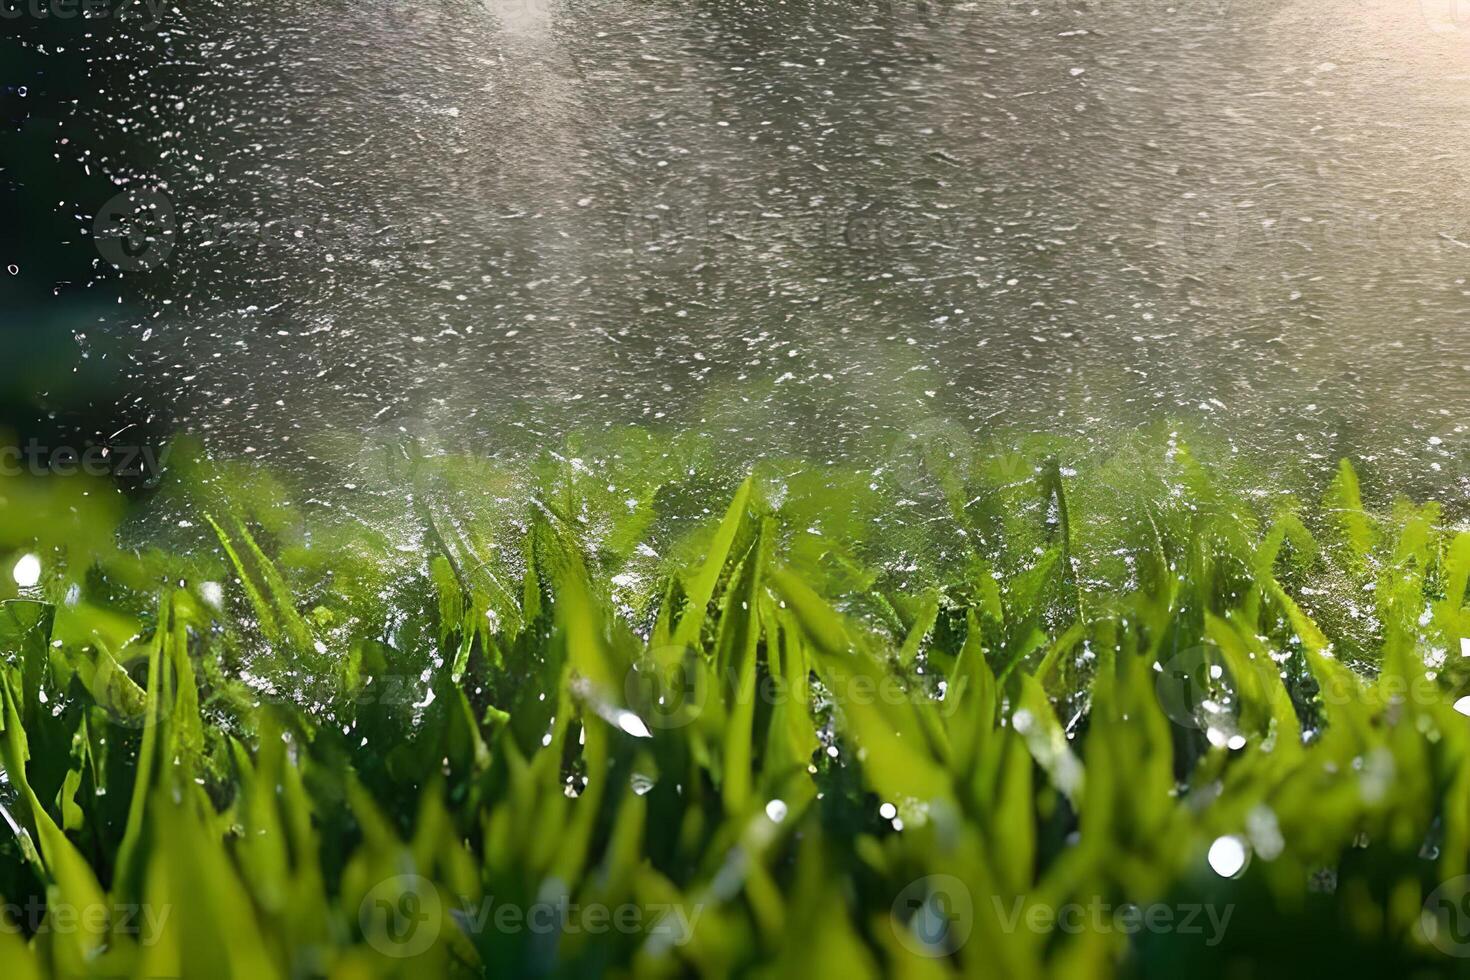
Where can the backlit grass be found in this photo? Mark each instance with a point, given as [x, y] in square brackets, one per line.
[614, 713]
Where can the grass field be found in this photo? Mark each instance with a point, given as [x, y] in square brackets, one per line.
[1063, 713]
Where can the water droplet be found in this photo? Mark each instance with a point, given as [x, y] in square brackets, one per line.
[27, 571]
[1228, 856]
[633, 725]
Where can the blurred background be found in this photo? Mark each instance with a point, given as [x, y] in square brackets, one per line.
[810, 227]
[62, 305]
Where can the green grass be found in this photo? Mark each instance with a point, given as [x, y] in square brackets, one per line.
[727, 726]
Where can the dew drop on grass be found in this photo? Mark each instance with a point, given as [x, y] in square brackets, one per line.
[633, 725]
[27, 571]
[1228, 856]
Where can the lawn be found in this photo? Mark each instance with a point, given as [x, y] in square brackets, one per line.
[1021, 710]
